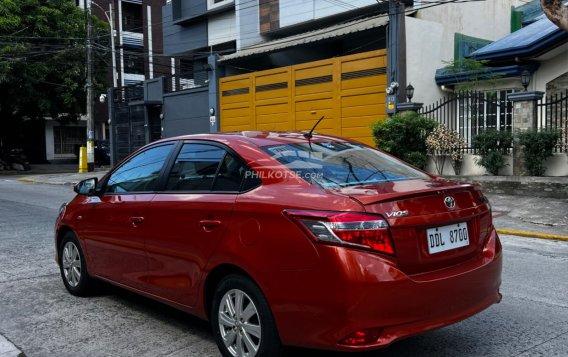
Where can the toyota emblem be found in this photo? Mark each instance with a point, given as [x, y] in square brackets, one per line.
[450, 202]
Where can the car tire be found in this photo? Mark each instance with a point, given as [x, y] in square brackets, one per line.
[73, 266]
[250, 328]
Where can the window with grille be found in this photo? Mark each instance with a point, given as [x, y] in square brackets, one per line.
[478, 111]
[66, 139]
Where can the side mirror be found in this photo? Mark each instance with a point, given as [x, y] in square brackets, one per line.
[86, 187]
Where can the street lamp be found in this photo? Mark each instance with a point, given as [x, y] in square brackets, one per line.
[109, 16]
[409, 92]
[525, 78]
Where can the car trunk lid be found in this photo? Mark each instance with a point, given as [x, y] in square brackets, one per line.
[418, 210]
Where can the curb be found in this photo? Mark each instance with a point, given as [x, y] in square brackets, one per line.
[31, 180]
[532, 234]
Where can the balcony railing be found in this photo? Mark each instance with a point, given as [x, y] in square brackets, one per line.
[130, 78]
[132, 39]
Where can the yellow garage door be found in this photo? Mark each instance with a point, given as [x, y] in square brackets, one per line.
[348, 91]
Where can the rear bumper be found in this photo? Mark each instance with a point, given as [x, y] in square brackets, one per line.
[361, 291]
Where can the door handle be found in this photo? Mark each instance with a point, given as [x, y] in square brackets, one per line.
[209, 224]
[136, 221]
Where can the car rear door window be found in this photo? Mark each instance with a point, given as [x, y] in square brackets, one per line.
[195, 168]
[141, 172]
[231, 174]
[204, 167]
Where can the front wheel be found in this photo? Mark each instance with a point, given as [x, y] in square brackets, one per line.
[242, 322]
[73, 266]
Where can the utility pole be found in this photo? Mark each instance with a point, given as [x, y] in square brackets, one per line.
[392, 59]
[396, 57]
[90, 91]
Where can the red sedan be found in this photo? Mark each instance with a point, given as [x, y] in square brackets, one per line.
[285, 239]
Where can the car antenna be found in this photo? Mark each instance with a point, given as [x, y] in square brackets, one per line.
[309, 135]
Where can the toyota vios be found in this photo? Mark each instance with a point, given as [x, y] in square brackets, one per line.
[285, 239]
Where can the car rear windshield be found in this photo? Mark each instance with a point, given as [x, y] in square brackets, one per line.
[341, 164]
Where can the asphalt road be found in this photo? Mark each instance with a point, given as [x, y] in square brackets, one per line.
[42, 319]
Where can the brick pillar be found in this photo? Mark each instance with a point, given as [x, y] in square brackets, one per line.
[524, 118]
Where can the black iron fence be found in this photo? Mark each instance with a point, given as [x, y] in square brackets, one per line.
[131, 93]
[552, 113]
[470, 113]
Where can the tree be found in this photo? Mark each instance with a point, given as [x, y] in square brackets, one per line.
[557, 12]
[42, 60]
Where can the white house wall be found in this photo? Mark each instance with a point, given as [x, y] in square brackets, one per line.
[222, 28]
[490, 20]
[550, 70]
[423, 47]
[293, 12]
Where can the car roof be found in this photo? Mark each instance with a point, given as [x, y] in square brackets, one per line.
[258, 138]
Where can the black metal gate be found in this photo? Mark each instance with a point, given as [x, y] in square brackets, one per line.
[470, 113]
[553, 114]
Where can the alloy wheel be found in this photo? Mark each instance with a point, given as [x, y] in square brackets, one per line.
[239, 324]
[71, 264]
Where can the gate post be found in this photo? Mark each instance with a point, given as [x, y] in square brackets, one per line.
[216, 71]
[112, 128]
[525, 118]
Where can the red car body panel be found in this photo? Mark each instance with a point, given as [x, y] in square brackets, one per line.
[318, 293]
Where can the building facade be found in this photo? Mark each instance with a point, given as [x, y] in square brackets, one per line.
[282, 64]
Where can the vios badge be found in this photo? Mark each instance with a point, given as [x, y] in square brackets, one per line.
[450, 202]
[397, 214]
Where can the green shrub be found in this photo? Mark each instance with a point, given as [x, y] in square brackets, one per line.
[492, 146]
[538, 146]
[404, 136]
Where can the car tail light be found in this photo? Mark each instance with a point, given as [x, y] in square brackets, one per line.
[357, 230]
[362, 337]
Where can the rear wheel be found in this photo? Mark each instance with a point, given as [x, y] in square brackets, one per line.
[242, 322]
[73, 266]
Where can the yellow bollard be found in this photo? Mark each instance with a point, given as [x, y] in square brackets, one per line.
[83, 160]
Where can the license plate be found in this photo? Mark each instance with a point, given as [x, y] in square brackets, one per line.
[441, 239]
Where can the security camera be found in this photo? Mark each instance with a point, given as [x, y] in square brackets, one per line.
[102, 98]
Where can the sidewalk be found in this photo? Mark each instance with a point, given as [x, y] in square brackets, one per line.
[513, 214]
[62, 173]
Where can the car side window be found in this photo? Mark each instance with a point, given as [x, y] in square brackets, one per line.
[195, 168]
[231, 174]
[203, 167]
[140, 173]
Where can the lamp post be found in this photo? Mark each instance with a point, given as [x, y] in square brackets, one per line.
[525, 78]
[409, 92]
[109, 16]
[409, 106]
[90, 91]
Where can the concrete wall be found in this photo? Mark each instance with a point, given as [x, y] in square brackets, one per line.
[469, 167]
[186, 112]
[293, 12]
[557, 165]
